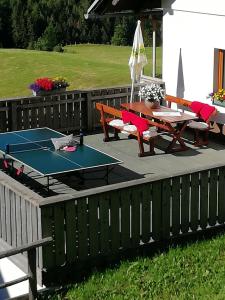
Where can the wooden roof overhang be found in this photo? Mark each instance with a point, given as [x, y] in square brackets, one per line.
[112, 8]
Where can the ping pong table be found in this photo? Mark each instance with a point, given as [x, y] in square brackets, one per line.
[33, 148]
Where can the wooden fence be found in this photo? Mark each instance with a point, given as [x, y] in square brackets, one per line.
[20, 219]
[65, 111]
[102, 222]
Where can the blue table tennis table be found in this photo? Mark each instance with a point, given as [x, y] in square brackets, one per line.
[33, 148]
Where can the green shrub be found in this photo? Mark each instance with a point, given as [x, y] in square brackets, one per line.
[120, 37]
[48, 40]
[58, 48]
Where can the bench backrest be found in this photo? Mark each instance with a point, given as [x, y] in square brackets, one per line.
[178, 100]
[186, 103]
[109, 110]
[105, 109]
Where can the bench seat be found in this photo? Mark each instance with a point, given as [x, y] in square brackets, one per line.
[110, 114]
[199, 127]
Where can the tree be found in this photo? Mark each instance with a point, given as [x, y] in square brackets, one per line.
[42, 23]
[19, 25]
[5, 24]
[48, 40]
[124, 31]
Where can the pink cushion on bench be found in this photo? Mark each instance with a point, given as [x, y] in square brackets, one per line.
[196, 106]
[126, 116]
[140, 123]
[203, 110]
[206, 112]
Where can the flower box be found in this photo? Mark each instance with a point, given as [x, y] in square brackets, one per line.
[48, 86]
[46, 93]
[219, 103]
[218, 97]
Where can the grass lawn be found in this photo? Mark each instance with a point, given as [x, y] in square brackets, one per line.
[196, 271]
[84, 66]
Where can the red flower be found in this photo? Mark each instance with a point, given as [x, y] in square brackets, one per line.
[45, 83]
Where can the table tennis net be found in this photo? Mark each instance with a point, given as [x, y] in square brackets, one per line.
[33, 145]
[28, 146]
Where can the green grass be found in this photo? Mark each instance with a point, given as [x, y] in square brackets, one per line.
[84, 66]
[196, 271]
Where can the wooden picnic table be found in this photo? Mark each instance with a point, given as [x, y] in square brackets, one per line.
[165, 119]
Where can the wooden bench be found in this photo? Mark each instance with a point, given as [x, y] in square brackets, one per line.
[196, 125]
[109, 113]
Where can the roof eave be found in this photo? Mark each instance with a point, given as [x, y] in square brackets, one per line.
[145, 12]
[108, 8]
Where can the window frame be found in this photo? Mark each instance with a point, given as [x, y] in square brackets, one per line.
[220, 69]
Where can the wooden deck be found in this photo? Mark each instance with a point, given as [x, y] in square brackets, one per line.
[133, 167]
[168, 194]
[161, 163]
[148, 199]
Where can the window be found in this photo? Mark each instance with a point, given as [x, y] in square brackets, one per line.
[221, 69]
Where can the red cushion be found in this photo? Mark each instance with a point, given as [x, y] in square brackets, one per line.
[126, 116]
[196, 106]
[140, 123]
[206, 112]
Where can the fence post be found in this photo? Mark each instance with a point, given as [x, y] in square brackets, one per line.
[32, 273]
[89, 112]
[13, 120]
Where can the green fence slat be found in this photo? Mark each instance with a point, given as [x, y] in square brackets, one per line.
[34, 115]
[82, 224]
[93, 225]
[176, 205]
[135, 215]
[213, 196]
[204, 194]
[3, 118]
[26, 113]
[63, 118]
[194, 200]
[59, 234]
[104, 223]
[56, 113]
[146, 212]
[41, 113]
[49, 116]
[166, 204]
[185, 195]
[48, 251]
[70, 222]
[115, 221]
[125, 218]
[156, 210]
[70, 114]
[221, 196]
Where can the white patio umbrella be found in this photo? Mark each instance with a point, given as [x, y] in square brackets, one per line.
[137, 59]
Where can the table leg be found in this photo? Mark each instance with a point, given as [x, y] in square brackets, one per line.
[177, 137]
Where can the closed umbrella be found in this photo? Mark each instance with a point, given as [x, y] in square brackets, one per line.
[137, 59]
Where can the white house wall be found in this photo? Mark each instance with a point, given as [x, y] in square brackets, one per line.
[191, 31]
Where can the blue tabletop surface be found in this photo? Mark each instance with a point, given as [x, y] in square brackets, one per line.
[49, 161]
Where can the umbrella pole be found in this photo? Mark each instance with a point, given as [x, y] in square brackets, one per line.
[132, 92]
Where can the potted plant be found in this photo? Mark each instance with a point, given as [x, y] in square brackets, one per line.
[46, 85]
[152, 94]
[218, 97]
